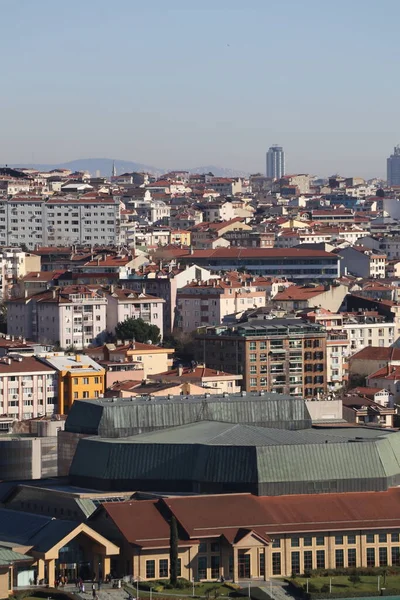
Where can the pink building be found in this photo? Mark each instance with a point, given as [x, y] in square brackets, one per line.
[28, 388]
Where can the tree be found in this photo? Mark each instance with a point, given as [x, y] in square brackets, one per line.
[354, 578]
[138, 330]
[173, 552]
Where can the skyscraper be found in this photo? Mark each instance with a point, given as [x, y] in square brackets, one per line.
[275, 162]
[393, 167]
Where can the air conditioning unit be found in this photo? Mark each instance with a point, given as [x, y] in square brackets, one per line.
[15, 396]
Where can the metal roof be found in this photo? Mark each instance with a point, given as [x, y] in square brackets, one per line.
[276, 461]
[124, 417]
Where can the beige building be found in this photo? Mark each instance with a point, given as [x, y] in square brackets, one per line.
[243, 537]
[215, 382]
[131, 360]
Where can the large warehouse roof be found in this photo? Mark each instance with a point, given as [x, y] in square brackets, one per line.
[124, 417]
[220, 457]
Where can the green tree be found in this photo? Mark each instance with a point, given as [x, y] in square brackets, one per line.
[138, 330]
[173, 552]
[354, 578]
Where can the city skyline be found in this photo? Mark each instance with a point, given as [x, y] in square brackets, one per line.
[189, 120]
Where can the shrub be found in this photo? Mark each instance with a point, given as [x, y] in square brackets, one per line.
[354, 578]
[325, 588]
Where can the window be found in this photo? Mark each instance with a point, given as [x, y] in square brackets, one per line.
[395, 537]
[202, 548]
[202, 567]
[396, 556]
[320, 540]
[150, 569]
[261, 561]
[253, 381]
[370, 538]
[295, 542]
[307, 541]
[339, 540]
[339, 558]
[276, 563]
[383, 557]
[85, 380]
[75, 395]
[276, 543]
[320, 559]
[163, 567]
[382, 538]
[179, 567]
[295, 562]
[351, 557]
[214, 546]
[253, 369]
[253, 357]
[85, 395]
[308, 560]
[370, 557]
[253, 345]
[351, 539]
[75, 381]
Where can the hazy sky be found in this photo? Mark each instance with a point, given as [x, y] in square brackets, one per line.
[202, 82]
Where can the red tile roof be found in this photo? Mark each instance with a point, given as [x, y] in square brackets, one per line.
[377, 353]
[261, 253]
[28, 364]
[295, 292]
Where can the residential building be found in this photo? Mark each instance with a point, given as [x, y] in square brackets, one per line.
[361, 410]
[226, 186]
[296, 297]
[164, 283]
[393, 167]
[275, 162]
[28, 389]
[387, 377]
[70, 316]
[14, 264]
[58, 221]
[123, 303]
[131, 360]
[276, 355]
[370, 359]
[215, 382]
[79, 378]
[212, 235]
[296, 263]
[206, 303]
[362, 262]
[250, 239]
[368, 328]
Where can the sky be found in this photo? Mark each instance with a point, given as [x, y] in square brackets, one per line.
[184, 84]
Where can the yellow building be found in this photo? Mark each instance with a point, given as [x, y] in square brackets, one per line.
[79, 378]
[180, 237]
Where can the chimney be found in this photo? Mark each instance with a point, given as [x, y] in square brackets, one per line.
[112, 288]
[78, 358]
[180, 370]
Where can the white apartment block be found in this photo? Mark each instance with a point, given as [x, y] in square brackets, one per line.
[59, 221]
[71, 316]
[368, 334]
[337, 351]
[127, 304]
[28, 388]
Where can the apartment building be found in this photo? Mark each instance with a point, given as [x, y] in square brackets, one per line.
[206, 303]
[73, 316]
[14, 264]
[131, 360]
[362, 262]
[79, 378]
[28, 389]
[214, 381]
[296, 263]
[59, 221]
[285, 356]
[123, 303]
[368, 328]
[164, 284]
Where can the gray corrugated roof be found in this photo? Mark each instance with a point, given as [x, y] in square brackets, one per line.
[124, 417]
[34, 530]
[225, 453]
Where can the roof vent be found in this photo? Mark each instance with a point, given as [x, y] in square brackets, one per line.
[243, 393]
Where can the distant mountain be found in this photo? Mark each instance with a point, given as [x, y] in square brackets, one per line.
[219, 171]
[93, 165]
[104, 167]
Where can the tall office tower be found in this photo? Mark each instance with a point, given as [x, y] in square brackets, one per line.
[275, 162]
[393, 167]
